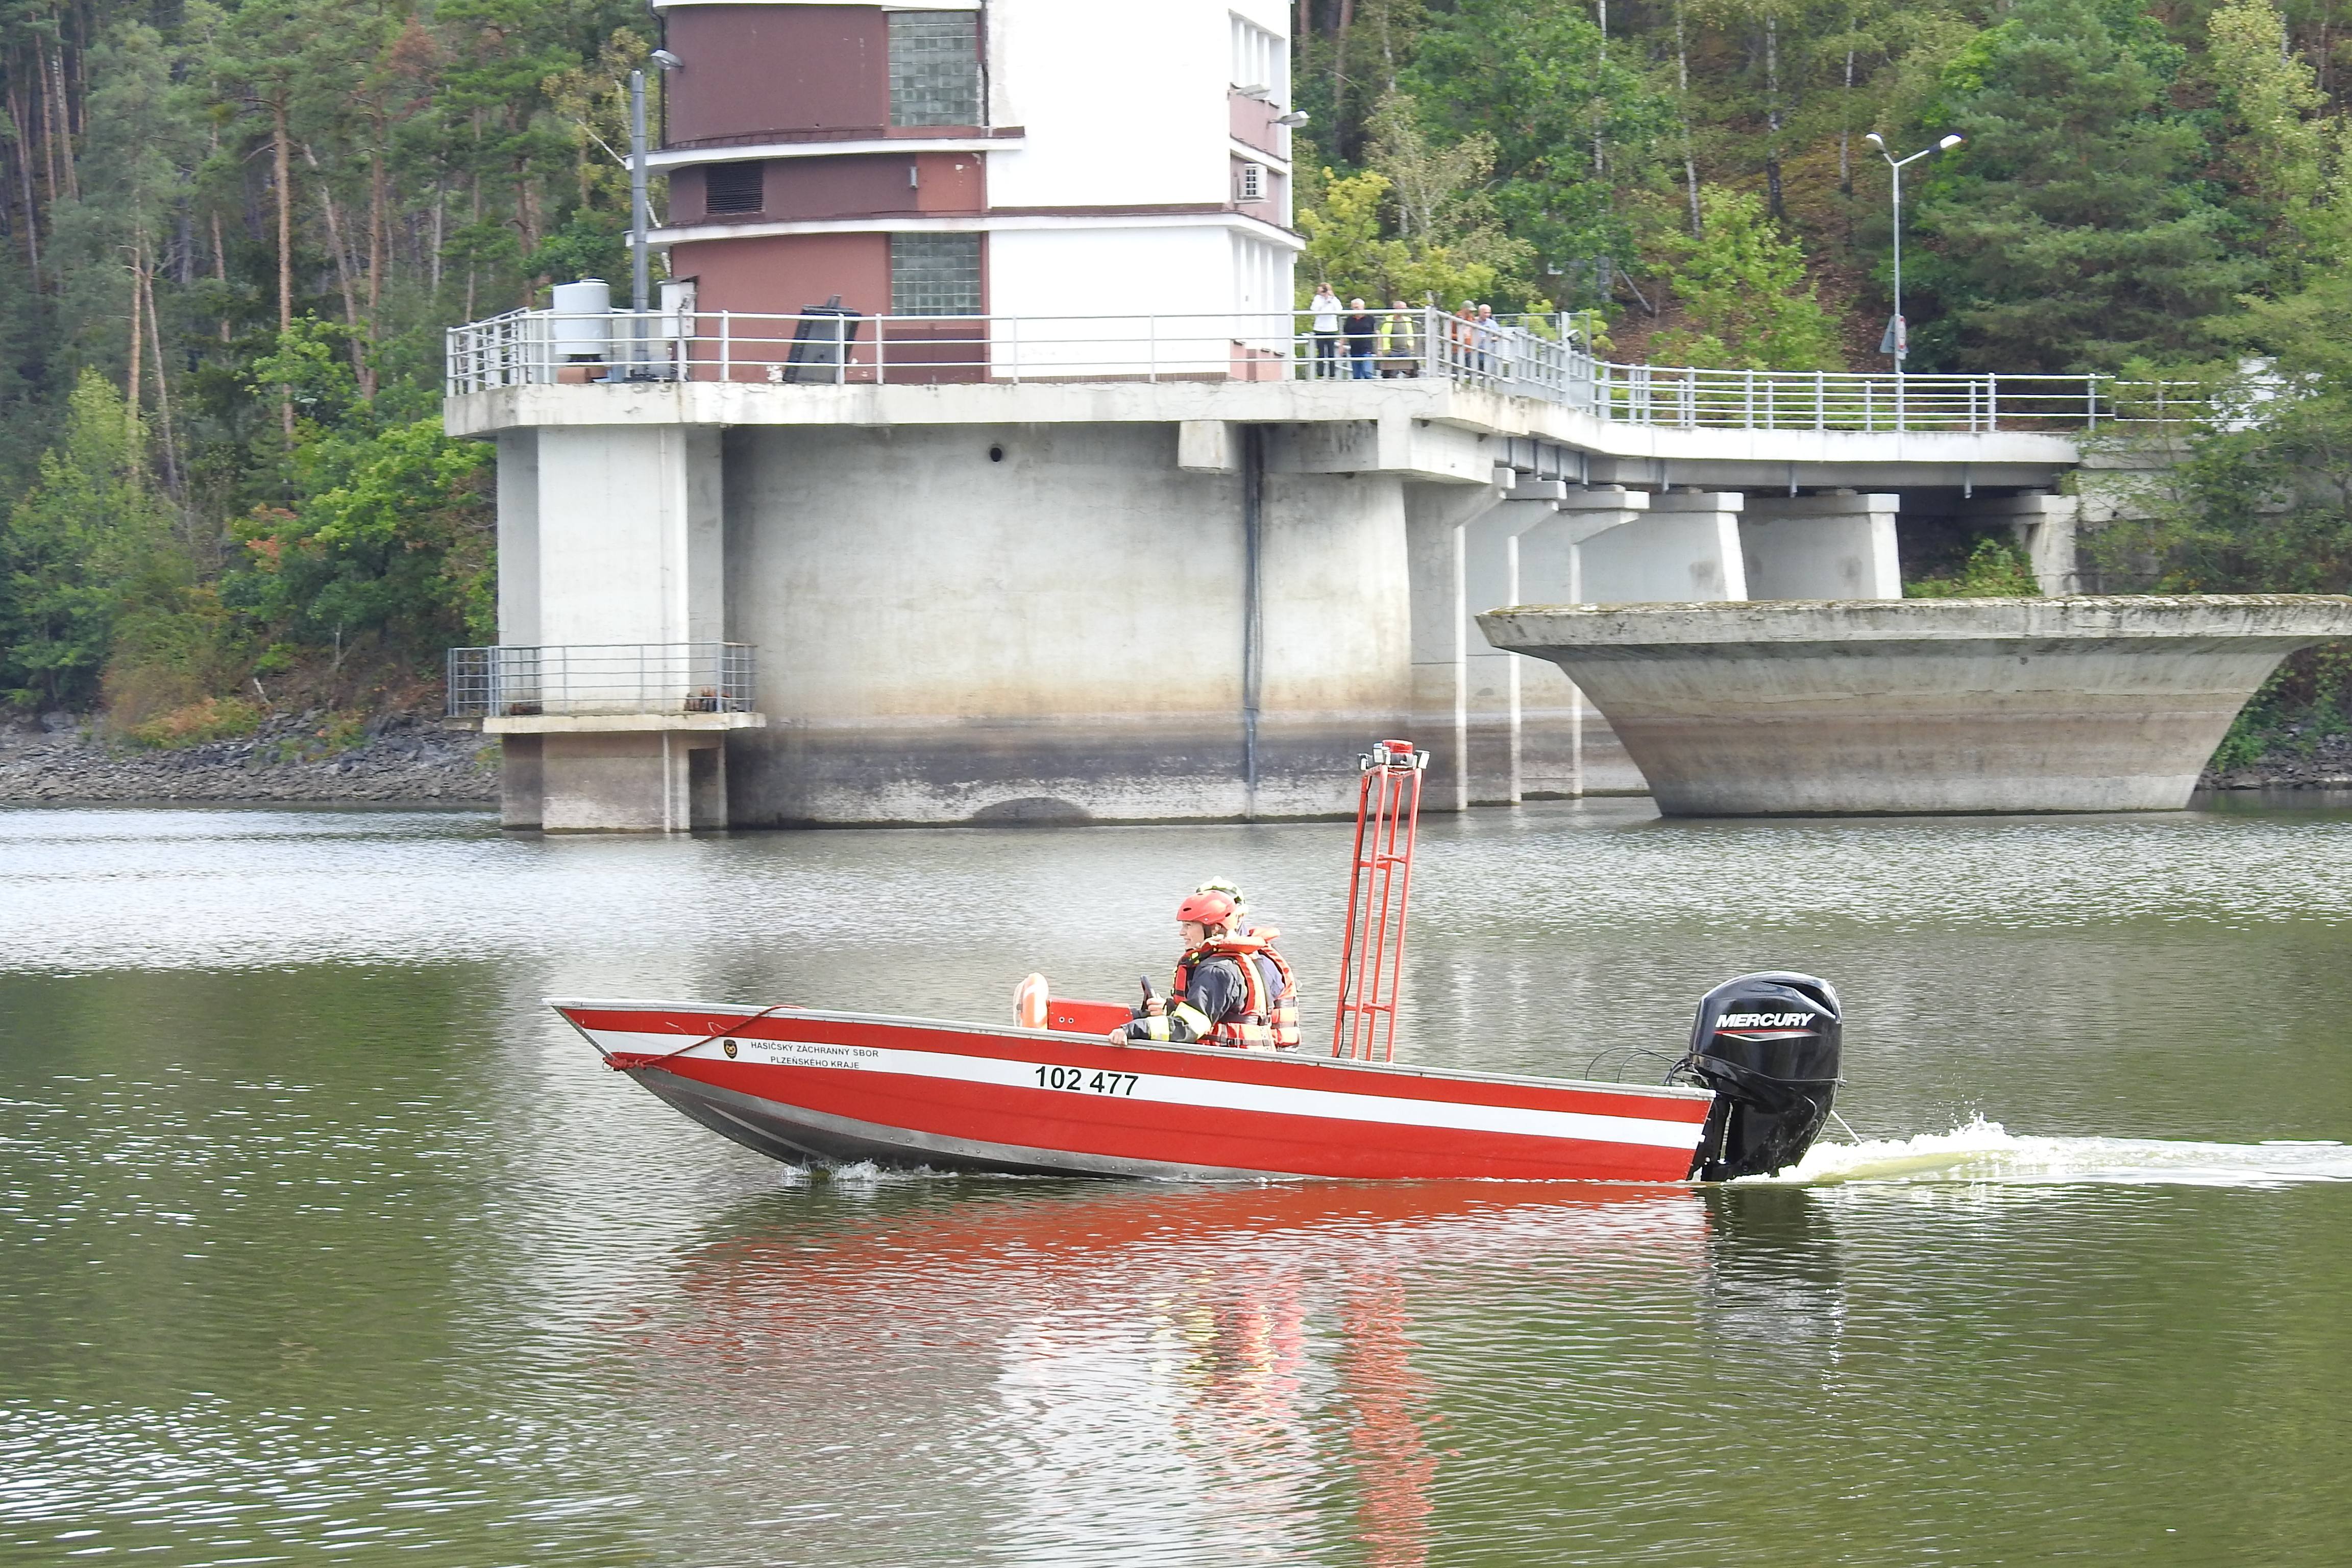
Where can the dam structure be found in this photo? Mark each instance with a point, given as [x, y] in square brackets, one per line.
[974, 466]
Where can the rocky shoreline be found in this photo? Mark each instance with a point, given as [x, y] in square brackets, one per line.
[410, 759]
[398, 758]
[2327, 766]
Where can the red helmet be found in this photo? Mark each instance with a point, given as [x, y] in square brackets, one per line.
[1207, 910]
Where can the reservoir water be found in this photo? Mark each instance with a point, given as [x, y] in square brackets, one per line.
[321, 1240]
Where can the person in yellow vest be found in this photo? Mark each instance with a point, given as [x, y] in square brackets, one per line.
[1231, 988]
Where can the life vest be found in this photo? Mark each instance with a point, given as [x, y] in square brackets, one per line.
[1265, 1023]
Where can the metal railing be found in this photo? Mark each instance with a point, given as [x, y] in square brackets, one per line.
[1531, 356]
[585, 679]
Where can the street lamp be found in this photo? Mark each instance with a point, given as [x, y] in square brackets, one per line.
[1898, 339]
[640, 209]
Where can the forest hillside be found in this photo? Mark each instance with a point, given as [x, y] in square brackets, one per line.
[232, 234]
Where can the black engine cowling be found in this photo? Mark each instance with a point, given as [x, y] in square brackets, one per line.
[1768, 1045]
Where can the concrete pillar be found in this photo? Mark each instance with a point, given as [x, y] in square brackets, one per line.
[2043, 525]
[1491, 678]
[611, 535]
[1553, 715]
[1686, 549]
[1834, 546]
[630, 548]
[522, 775]
[518, 570]
[1208, 446]
[659, 780]
[1058, 632]
[1436, 562]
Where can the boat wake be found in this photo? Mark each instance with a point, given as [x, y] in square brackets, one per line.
[1985, 1151]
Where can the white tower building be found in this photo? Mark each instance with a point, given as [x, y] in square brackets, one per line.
[956, 159]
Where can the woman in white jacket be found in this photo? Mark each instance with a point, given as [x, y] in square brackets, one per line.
[1326, 308]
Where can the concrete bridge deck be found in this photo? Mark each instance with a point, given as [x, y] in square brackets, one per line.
[1166, 593]
[1434, 429]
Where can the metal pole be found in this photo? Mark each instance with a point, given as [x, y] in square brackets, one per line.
[1902, 337]
[640, 210]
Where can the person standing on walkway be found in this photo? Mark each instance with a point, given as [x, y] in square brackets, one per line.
[1399, 340]
[1494, 340]
[1462, 333]
[1364, 330]
[1324, 322]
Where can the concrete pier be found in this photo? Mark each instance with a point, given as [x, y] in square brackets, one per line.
[1128, 599]
[1934, 705]
[1834, 546]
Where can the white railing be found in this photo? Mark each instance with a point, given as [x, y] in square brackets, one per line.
[1536, 357]
[514, 681]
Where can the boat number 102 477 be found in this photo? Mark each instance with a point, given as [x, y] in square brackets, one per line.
[1087, 1082]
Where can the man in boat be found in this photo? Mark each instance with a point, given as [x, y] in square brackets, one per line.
[1276, 969]
[1231, 988]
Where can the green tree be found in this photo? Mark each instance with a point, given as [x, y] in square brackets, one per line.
[84, 540]
[2272, 141]
[1994, 570]
[1746, 301]
[391, 543]
[2072, 232]
[2262, 502]
[1572, 126]
[1418, 224]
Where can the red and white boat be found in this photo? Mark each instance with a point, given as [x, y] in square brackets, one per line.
[806, 1085]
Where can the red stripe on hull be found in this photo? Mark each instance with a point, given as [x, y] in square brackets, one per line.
[1189, 1135]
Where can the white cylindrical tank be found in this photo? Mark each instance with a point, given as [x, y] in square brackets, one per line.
[581, 327]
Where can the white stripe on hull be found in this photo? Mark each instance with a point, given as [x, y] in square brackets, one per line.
[1214, 1094]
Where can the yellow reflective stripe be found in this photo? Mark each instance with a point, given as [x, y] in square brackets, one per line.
[1194, 1019]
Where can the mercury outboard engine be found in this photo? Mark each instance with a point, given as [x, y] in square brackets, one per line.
[1768, 1046]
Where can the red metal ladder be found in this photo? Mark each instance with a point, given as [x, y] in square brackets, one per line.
[1379, 882]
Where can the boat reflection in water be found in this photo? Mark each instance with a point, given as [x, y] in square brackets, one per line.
[1125, 1373]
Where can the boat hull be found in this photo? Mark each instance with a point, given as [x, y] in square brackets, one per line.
[800, 1086]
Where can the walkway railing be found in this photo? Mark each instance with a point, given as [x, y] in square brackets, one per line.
[1536, 357]
[580, 680]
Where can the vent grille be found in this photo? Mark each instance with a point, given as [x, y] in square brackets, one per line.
[733, 188]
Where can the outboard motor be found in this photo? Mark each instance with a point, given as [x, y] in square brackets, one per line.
[1768, 1045]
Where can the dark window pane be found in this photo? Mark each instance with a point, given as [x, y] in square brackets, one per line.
[934, 67]
[935, 275]
[732, 188]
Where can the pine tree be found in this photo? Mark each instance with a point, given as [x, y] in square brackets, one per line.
[2072, 231]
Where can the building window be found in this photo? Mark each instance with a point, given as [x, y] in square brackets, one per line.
[1249, 182]
[732, 188]
[934, 67]
[1261, 61]
[935, 275]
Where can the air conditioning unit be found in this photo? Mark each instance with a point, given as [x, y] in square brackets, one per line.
[1249, 181]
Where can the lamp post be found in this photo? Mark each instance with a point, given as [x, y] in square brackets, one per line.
[640, 209]
[1898, 339]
